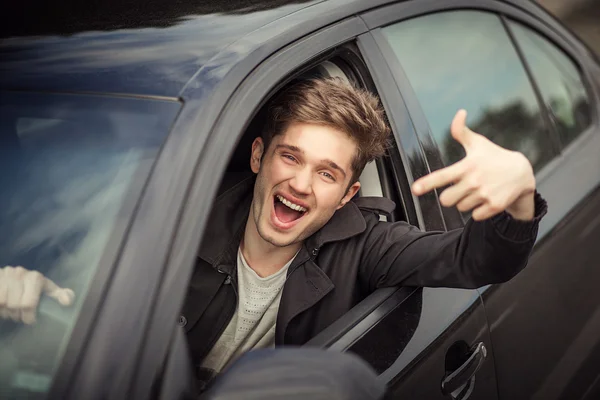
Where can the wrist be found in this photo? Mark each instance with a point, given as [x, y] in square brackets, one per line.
[523, 209]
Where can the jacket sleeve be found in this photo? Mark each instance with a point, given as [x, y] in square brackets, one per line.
[481, 253]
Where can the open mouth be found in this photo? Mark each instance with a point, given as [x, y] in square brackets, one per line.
[287, 211]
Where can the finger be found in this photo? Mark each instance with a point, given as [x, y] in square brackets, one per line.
[14, 314]
[456, 193]
[64, 297]
[3, 293]
[483, 212]
[439, 178]
[28, 316]
[14, 293]
[470, 202]
[33, 284]
[3, 288]
[460, 132]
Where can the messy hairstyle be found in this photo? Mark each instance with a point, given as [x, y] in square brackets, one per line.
[334, 103]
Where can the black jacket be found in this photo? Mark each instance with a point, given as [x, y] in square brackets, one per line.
[350, 257]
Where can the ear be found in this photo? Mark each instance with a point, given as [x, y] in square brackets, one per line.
[257, 152]
[352, 190]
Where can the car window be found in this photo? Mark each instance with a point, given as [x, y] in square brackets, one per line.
[465, 59]
[67, 163]
[559, 82]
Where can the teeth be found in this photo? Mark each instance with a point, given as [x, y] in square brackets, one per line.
[290, 204]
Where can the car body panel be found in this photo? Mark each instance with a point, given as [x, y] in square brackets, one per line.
[154, 52]
[544, 323]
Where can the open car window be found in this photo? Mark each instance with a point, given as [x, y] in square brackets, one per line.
[67, 164]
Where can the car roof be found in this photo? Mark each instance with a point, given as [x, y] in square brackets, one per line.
[144, 47]
[129, 47]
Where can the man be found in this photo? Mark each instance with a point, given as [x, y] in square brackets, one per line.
[289, 251]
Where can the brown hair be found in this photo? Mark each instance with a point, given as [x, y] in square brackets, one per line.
[334, 103]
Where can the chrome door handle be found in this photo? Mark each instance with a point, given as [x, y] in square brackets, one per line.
[459, 383]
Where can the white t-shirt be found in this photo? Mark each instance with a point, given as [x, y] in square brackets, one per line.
[253, 323]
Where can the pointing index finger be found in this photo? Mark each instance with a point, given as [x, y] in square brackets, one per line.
[64, 297]
[439, 178]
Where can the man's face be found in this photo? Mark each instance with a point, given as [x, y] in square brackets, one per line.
[302, 180]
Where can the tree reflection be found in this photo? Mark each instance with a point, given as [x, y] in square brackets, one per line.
[513, 126]
[570, 121]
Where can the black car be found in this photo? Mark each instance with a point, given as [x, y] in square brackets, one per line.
[121, 121]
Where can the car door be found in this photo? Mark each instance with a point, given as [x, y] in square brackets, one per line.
[528, 88]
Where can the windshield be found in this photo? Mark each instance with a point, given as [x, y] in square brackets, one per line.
[67, 164]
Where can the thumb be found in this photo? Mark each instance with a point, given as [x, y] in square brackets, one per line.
[64, 297]
[460, 132]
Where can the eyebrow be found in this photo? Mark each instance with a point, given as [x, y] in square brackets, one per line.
[327, 161]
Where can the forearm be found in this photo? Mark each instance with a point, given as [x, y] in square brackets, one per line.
[486, 252]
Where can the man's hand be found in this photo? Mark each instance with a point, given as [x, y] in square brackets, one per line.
[20, 291]
[489, 180]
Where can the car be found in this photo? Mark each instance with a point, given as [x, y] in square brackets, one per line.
[120, 123]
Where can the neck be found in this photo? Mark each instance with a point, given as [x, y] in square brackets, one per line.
[263, 257]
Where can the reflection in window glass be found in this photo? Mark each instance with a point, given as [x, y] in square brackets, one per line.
[465, 59]
[559, 81]
[66, 165]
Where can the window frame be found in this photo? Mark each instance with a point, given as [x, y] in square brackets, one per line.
[405, 131]
[260, 83]
[392, 174]
[586, 83]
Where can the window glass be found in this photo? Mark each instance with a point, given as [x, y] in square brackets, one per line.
[559, 81]
[66, 165]
[465, 59]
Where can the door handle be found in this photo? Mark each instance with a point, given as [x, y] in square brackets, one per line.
[459, 383]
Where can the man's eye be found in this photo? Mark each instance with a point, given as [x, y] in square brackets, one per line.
[289, 157]
[328, 176]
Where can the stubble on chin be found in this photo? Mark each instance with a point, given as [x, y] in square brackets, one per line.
[262, 206]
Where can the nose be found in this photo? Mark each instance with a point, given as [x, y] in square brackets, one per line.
[301, 183]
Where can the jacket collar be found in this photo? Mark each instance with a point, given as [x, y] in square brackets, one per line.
[230, 213]
[227, 222]
[347, 222]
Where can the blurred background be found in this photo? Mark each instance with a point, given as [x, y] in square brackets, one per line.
[581, 16]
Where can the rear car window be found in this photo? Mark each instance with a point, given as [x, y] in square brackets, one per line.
[67, 164]
[559, 82]
[470, 62]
